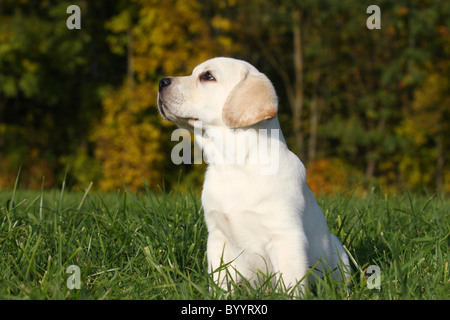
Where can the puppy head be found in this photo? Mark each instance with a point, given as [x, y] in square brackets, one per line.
[221, 92]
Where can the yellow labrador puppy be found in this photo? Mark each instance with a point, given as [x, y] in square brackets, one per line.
[260, 214]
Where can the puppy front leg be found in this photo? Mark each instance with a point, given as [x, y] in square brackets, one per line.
[290, 261]
[219, 254]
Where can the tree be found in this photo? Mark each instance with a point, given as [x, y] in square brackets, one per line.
[427, 127]
[36, 53]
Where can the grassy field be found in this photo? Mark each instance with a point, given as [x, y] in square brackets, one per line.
[152, 246]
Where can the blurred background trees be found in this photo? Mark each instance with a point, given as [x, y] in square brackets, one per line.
[357, 105]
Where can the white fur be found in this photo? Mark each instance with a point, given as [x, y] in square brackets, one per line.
[255, 221]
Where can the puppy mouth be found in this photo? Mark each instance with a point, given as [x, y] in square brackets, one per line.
[161, 109]
[169, 116]
[183, 121]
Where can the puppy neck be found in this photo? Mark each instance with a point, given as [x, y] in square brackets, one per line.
[258, 145]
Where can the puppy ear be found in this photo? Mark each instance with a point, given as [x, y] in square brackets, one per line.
[252, 100]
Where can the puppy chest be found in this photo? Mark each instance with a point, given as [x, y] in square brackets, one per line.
[231, 189]
[245, 230]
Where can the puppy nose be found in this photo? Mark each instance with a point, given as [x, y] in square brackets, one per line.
[165, 82]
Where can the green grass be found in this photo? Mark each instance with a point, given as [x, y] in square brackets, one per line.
[152, 246]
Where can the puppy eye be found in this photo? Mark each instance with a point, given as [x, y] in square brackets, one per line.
[207, 76]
